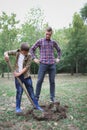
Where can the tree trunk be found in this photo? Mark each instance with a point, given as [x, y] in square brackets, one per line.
[2, 75]
[77, 66]
[72, 69]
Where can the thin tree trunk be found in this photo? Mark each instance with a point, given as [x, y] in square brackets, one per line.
[2, 75]
[76, 66]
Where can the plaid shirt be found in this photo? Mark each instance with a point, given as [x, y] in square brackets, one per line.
[46, 48]
[26, 62]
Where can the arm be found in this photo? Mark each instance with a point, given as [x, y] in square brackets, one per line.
[58, 51]
[7, 53]
[16, 74]
[33, 49]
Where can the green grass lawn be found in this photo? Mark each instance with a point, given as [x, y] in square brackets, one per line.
[70, 90]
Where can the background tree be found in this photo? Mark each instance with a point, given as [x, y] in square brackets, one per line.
[83, 12]
[32, 30]
[76, 49]
[60, 37]
[8, 36]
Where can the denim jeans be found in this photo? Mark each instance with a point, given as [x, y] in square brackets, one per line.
[43, 69]
[19, 89]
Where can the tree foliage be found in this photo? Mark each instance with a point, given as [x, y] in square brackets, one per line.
[31, 30]
[83, 12]
[8, 35]
[76, 51]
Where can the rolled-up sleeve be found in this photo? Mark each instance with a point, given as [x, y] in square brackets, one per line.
[11, 52]
[33, 48]
[58, 49]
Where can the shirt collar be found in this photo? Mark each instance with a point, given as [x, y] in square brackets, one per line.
[47, 39]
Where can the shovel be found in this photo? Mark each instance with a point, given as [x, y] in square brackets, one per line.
[33, 102]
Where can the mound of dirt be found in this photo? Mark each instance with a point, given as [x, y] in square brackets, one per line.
[52, 111]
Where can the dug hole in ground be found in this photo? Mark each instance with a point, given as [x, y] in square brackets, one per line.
[52, 111]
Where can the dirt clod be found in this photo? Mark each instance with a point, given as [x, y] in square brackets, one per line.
[52, 111]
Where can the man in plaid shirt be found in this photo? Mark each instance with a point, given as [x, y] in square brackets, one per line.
[47, 61]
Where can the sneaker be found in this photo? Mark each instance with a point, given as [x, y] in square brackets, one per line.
[18, 111]
[52, 100]
[39, 108]
[37, 105]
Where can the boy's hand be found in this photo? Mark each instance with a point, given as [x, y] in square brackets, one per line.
[16, 74]
[36, 61]
[6, 58]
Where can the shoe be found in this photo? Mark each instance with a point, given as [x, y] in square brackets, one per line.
[18, 111]
[39, 108]
[52, 100]
[37, 105]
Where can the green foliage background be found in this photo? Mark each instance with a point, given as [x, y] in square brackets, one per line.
[72, 40]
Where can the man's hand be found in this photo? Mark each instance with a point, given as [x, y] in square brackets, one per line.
[6, 58]
[36, 61]
[57, 60]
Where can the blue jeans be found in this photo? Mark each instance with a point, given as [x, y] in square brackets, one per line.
[19, 89]
[43, 69]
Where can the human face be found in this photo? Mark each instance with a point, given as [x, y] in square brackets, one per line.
[24, 52]
[48, 35]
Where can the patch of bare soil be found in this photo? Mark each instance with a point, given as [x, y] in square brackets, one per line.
[52, 111]
[72, 127]
[5, 125]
